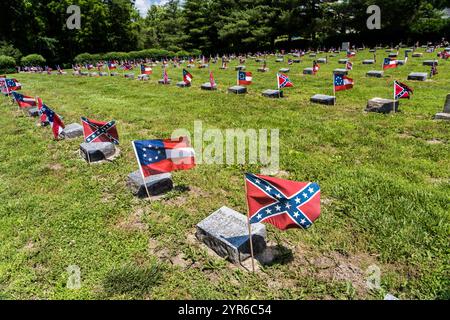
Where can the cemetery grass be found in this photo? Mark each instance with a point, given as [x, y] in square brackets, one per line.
[384, 181]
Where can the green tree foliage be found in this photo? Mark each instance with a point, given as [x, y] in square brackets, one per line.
[33, 60]
[7, 64]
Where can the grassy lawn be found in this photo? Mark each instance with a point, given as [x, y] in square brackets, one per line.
[385, 182]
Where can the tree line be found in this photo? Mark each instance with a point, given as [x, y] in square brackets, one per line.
[212, 26]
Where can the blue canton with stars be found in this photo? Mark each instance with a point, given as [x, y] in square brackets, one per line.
[48, 112]
[338, 80]
[150, 151]
[283, 205]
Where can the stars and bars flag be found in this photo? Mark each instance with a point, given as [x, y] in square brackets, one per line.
[146, 69]
[389, 63]
[290, 61]
[350, 54]
[187, 77]
[112, 66]
[316, 67]
[433, 70]
[165, 76]
[212, 81]
[24, 101]
[342, 82]
[283, 81]
[161, 156]
[284, 204]
[53, 119]
[402, 91]
[245, 78]
[98, 131]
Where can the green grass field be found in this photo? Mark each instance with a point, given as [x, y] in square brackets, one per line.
[384, 181]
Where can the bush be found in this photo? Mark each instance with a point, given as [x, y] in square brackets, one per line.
[84, 58]
[196, 52]
[7, 64]
[33, 60]
[9, 50]
[182, 54]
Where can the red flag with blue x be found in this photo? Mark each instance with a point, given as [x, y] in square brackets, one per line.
[283, 81]
[282, 203]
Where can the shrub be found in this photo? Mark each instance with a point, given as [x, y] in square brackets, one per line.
[33, 60]
[182, 54]
[84, 58]
[196, 52]
[7, 64]
[7, 49]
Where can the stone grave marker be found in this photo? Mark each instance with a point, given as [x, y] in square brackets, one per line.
[323, 99]
[342, 72]
[284, 70]
[164, 83]
[269, 93]
[381, 105]
[143, 77]
[375, 74]
[33, 112]
[417, 55]
[156, 184]
[322, 60]
[368, 61]
[430, 63]
[343, 61]
[445, 115]
[97, 151]
[308, 71]
[207, 86]
[239, 68]
[183, 84]
[418, 76]
[226, 232]
[237, 89]
[129, 75]
[72, 130]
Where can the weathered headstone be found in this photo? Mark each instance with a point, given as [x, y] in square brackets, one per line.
[156, 184]
[368, 61]
[269, 93]
[296, 61]
[312, 55]
[33, 112]
[183, 84]
[97, 151]
[284, 70]
[279, 60]
[401, 62]
[143, 77]
[381, 105]
[237, 90]
[129, 75]
[72, 130]
[161, 81]
[84, 74]
[393, 55]
[322, 60]
[445, 115]
[342, 72]
[417, 55]
[226, 232]
[207, 86]
[323, 99]
[430, 63]
[345, 46]
[418, 76]
[93, 74]
[204, 66]
[308, 71]
[190, 66]
[261, 69]
[343, 61]
[103, 74]
[115, 74]
[239, 68]
[375, 74]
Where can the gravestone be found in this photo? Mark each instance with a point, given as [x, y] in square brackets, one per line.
[308, 71]
[343, 61]
[72, 130]
[284, 70]
[389, 50]
[263, 69]
[223, 68]
[322, 60]
[93, 74]
[129, 75]
[375, 74]
[156, 184]
[204, 66]
[143, 77]
[258, 60]
[237, 89]
[313, 55]
[226, 232]
[296, 61]
[417, 55]
[372, 50]
[279, 60]
[342, 72]
[381, 105]
[345, 46]
[239, 68]
[103, 74]
[447, 49]
[183, 84]
[190, 66]
[401, 62]
[368, 61]
[393, 55]
[33, 112]
[430, 63]
[207, 86]
[323, 99]
[97, 151]
[164, 83]
[114, 74]
[84, 74]
[418, 76]
[409, 50]
[269, 93]
[445, 115]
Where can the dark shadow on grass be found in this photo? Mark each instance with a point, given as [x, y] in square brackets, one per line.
[275, 255]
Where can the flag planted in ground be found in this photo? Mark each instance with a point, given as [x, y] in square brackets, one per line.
[283, 81]
[146, 69]
[161, 156]
[282, 203]
[402, 91]
[98, 131]
[212, 81]
[187, 77]
[245, 78]
[53, 119]
[23, 101]
[389, 63]
[342, 82]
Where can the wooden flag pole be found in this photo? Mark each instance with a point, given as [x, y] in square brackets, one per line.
[334, 91]
[140, 168]
[87, 153]
[395, 98]
[249, 230]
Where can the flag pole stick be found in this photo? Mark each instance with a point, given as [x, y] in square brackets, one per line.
[140, 168]
[334, 91]
[250, 231]
[87, 153]
[395, 98]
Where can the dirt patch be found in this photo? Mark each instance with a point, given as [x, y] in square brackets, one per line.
[55, 166]
[435, 141]
[133, 222]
